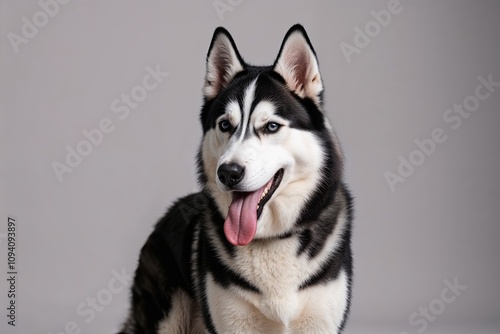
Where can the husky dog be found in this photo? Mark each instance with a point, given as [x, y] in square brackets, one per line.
[264, 247]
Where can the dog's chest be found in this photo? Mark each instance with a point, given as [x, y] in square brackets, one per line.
[277, 271]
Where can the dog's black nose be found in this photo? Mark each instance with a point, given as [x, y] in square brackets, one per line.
[230, 174]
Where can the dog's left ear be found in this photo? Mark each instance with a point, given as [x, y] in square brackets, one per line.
[298, 65]
[223, 62]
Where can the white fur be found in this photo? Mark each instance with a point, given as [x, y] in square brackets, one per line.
[247, 105]
[298, 152]
[272, 265]
[281, 307]
[277, 272]
[235, 151]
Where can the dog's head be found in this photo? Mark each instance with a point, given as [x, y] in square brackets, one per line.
[268, 155]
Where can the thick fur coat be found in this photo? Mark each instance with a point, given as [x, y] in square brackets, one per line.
[264, 247]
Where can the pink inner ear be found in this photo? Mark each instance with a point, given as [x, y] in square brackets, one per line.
[222, 64]
[221, 68]
[298, 66]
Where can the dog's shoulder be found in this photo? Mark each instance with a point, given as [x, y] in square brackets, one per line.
[180, 216]
[168, 249]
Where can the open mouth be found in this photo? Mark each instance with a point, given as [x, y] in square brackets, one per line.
[269, 190]
[246, 208]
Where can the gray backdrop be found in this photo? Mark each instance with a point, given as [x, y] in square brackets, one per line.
[394, 89]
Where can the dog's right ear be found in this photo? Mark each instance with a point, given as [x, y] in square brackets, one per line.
[223, 62]
[298, 65]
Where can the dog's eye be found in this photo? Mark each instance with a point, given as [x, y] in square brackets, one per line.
[272, 127]
[224, 125]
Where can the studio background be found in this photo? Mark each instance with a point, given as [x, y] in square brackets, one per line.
[82, 230]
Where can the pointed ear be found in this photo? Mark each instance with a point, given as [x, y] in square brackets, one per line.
[223, 62]
[297, 64]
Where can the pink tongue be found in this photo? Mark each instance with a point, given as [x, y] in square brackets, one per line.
[241, 221]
